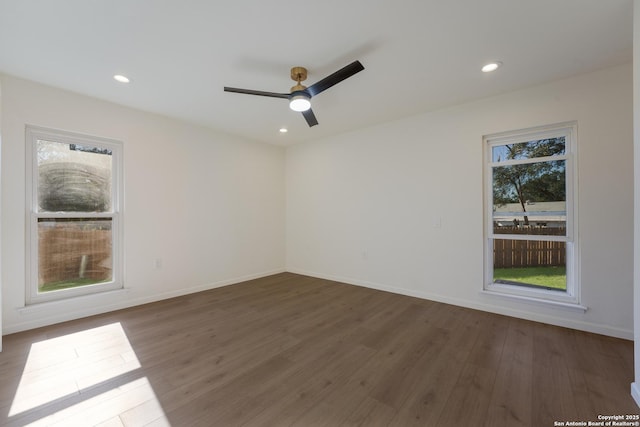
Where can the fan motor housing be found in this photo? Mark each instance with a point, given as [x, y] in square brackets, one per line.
[298, 74]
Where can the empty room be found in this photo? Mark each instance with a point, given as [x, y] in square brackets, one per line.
[336, 214]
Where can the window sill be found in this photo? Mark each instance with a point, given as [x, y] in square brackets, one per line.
[538, 301]
[46, 305]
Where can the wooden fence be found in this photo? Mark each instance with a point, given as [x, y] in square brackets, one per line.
[508, 253]
[71, 251]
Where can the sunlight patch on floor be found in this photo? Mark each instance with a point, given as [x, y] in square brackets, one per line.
[92, 377]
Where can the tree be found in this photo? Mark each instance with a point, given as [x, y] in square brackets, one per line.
[535, 180]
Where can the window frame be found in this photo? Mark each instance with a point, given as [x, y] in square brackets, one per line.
[571, 296]
[33, 135]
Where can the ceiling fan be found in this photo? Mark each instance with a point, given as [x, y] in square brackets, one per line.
[300, 96]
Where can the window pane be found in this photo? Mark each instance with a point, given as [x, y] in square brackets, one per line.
[74, 252]
[73, 178]
[529, 150]
[530, 198]
[530, 263]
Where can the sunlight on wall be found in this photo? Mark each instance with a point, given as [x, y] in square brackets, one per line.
[85, 378]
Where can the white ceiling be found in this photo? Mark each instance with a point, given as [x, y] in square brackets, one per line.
[419, 55]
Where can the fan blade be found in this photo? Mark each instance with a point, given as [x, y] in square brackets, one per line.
[256, 92]
[335, 78]
[310, 117]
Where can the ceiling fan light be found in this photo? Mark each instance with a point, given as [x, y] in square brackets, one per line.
[300, 102]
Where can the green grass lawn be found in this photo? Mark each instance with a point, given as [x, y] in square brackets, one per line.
[55, 286]
[546, 277]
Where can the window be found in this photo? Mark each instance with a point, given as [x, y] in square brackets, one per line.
[74, 199]
[530, 218]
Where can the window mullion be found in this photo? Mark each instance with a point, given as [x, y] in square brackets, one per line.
[528, 161]
[536, 237]
[55, 215]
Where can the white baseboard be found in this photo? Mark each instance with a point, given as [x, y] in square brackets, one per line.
[512, 312]
[107, 302]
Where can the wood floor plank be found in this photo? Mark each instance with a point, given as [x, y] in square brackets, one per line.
[296, 350]
[554, 395]
[438, 374]
[469, 400]
[512, 395]
[370, 413]
[395, 385]
[333, 366]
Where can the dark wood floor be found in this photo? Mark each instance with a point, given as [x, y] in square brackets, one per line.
[294, 350]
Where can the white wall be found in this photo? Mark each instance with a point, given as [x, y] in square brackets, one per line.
[209, 205]
[363, 207]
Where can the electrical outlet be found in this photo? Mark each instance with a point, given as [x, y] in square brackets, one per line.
[437, 222]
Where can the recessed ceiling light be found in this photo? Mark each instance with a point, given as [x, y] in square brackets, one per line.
[492, 66]
[284, 130]
[122, 79]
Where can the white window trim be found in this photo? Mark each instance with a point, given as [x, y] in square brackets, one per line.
[570, 298]
[33, 134]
